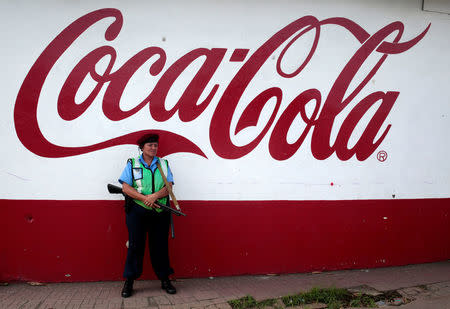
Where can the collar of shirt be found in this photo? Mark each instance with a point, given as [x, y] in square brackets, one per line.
[152, 166]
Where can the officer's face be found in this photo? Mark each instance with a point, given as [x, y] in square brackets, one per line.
[150, 149]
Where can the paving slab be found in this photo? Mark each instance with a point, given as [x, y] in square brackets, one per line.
[426, 285]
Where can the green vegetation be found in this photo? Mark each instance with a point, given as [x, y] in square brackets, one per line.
[250, 302]
[334, 298]
[363, 300]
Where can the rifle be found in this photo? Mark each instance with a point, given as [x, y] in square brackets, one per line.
[118, 190]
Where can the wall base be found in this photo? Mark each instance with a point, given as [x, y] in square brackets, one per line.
[57, 241]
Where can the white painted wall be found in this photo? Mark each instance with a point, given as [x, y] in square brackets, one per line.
[417, 144]
[438, 6]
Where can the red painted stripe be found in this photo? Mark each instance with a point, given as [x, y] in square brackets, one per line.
[47, 240]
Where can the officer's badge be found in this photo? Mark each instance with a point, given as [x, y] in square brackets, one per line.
[137, 173]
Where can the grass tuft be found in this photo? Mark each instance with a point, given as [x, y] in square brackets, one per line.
[249, 302]
[334, 298]
[331, 296]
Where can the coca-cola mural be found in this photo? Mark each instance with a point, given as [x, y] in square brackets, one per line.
[306, 114]
[114, 79]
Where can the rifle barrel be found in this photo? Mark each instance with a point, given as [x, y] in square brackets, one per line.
[118, 190]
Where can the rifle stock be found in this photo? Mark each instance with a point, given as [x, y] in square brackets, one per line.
[118, 190]
[114, 189]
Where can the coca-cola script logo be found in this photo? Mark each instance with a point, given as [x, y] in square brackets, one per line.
[189, 108]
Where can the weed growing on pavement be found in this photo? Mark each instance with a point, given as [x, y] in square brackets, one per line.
[244, 302]
[334, 298]
[363, 300]
[249, 302]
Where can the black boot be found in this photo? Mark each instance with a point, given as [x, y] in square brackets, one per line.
[127, 290]
[167, 285]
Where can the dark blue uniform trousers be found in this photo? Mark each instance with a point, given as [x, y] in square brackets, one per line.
[140, 222]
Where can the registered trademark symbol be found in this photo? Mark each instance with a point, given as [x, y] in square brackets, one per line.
[382, 156]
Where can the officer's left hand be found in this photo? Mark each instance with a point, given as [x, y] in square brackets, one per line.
[150, 201]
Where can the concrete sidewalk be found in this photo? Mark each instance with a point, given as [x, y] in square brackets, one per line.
[427, 285]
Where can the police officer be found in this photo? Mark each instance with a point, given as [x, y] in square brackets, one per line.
[142, 182]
